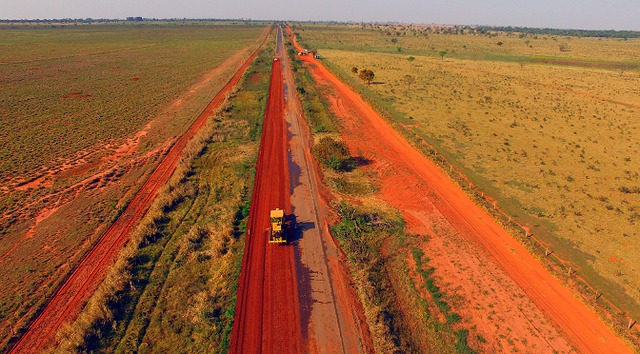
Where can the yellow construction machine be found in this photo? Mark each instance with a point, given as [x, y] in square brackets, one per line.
[277, 232]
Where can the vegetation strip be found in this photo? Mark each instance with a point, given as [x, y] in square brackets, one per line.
[530, 223]
[186, 259]
[370, 237]
[67, 300]
[400, 165]
[55, 214]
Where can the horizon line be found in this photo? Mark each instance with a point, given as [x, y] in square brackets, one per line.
[154, 19]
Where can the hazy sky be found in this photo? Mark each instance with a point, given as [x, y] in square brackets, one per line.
[584, 14]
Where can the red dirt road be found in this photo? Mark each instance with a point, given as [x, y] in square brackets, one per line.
[68, 300]
[579, 324]
[267, 315]
[332, 317]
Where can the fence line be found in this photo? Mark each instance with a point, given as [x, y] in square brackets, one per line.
[572, 273]
[548, 251]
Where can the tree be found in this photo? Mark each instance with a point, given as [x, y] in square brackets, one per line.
[367, 76]
[410, 59]
[443, 53]
[354, 70]
[409, 80]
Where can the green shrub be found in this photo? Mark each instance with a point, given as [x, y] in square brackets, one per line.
[334, 154]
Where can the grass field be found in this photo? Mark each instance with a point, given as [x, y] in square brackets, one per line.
[421, 40]
[371, 234]
[68, 89]
[175, 290]
[86, 114]
[555, 142]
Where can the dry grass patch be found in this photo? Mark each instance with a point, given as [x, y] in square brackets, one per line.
[174, 288]
[553, 142]
[71, 162]
[371, 234]
[418, 40]
[555, 145]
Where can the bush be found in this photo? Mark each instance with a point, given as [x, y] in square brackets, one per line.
[334, 154]
[625, 189]
[361, 234]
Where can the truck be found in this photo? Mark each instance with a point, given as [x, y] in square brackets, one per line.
[277, 231]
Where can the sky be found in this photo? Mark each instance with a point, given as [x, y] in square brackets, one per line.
[580, 14]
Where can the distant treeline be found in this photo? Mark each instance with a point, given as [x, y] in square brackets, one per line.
[111, 20]
[561, 32]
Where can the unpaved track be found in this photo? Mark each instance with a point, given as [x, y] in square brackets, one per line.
[267, 318]
[332, 318]
[68, 300]
[295, 298]
[581, 326]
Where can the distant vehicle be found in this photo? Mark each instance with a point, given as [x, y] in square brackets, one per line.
[275, 59]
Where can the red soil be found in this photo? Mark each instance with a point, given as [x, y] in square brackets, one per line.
[105, 170]
[85, 161]
[408, 173]
[36, 183]
[79, 167]
[487, 300]
[332, 316]
[43, 215]
[69, 299]
[267, 317]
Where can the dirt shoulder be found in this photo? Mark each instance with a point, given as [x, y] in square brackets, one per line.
[426, 196]
[332, 317]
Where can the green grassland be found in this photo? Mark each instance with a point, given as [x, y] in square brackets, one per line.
[174, 289]
[555, 142]
[67, 94]
[65, 89]
[427, 41]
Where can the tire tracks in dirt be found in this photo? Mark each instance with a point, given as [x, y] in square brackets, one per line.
[579, 324]
[333, 319]
[294, 298]
[267, 318]
[68, 300]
